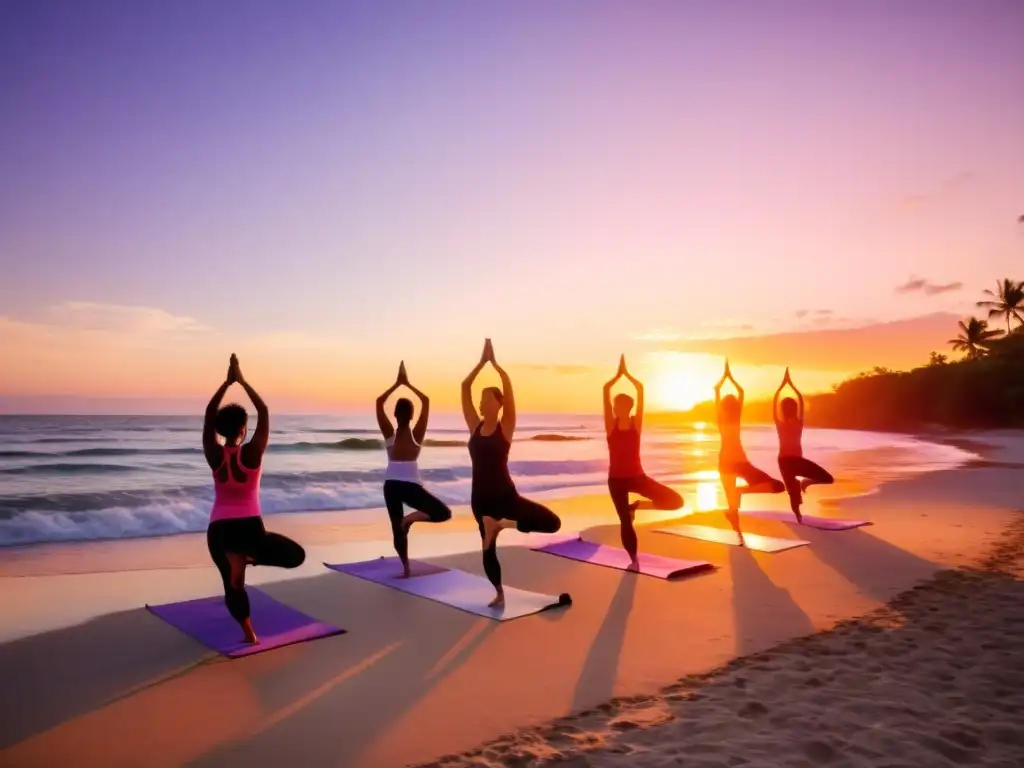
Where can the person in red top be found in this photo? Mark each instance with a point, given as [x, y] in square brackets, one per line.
[797, 472]
[625, 472]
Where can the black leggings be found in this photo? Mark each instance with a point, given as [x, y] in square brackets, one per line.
[661, 496]
[795, 467]
[530, 517]
[247, 536]
[397, 495]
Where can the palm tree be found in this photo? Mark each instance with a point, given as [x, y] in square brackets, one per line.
[1007, 300]
[974, 334]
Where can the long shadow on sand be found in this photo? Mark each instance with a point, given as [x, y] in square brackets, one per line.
[57, 675]
[128, 668]
[361, 708]
[866, 561]
[764, 614]
[597, 678]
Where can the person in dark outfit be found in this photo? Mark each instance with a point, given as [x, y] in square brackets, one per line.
[495, 502]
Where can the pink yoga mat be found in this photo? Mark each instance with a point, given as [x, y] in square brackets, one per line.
[617, 558]
[821, 523]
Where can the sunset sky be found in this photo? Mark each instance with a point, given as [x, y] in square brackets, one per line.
[326, 188]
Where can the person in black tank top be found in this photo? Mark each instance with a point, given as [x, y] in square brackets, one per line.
[495, 502]
[625, 472]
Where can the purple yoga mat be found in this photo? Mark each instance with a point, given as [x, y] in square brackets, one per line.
[821, 523]
[614, 557]
[208, 621]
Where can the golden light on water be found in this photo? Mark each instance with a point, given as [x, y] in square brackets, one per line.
[707, 496]
[707, 490]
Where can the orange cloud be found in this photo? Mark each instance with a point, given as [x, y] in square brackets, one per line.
[897, 344]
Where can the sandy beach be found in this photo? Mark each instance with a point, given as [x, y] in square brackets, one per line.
[637, 671]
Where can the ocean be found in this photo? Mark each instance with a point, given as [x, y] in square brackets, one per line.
[77, 478]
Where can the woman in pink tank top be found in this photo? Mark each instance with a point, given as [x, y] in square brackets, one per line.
[625, 472]
[797, 472]
[236, 536]
[733, 464]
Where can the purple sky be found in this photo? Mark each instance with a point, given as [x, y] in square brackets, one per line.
[562, 175]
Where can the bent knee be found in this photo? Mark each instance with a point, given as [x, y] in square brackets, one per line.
[556, 524]
[299, 557]
[443, 516]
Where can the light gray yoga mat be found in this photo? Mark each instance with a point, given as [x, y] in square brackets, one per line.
[458, 589]
[754, 541]
[821, 523]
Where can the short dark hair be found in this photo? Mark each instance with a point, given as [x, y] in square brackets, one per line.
[789, 407]
[230, 421]
[403, 410]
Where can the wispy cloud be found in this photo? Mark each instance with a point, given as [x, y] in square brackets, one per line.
[658, 334]
[921, 285]
[568, 369]
[118, 318]
[956, 183]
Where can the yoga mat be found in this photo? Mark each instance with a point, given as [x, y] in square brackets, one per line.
[617, 558]
[457, 589]
[723, 536]
[208, 621]
[821, 523]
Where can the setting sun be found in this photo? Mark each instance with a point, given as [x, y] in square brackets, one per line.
[679, 381]
[678, 390]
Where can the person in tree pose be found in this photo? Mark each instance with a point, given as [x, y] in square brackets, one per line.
[625, 472]
[732, 459]
[495, 502]
[402, 484]
[236, 536]
[798, 473]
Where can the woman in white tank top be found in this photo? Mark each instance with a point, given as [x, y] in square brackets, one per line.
[402, 484]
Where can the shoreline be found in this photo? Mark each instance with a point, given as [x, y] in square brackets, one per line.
[74, 687]
[361, 515]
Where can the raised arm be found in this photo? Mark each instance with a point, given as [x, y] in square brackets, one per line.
[639, 418]
[420, 430]
[261, 435]
[718, 390]
[469, 411]
[739, 389]
[609, 415]
[383, 422]
[211, 448]
[778, 394]
[508, 406]
[799, 398]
